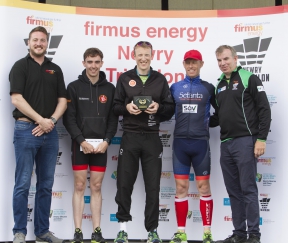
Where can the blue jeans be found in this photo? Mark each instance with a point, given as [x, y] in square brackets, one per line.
[43, 150]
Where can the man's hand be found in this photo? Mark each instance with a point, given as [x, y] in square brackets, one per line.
[153, 108]
[101, 148]
[259, 148]
[37, 131]
[45, 125]
[133, 109]
[87, 148]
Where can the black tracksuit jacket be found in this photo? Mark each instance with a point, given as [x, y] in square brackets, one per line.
[89, 109]
[243, 111]
[155, 86]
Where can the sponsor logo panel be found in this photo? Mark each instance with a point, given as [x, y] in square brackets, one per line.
[32, 191]
[87, 199]
[264, 202]
[251, 29]
[163, 212]
[62, 132]
[226, 201]
[194, 195]
[116, 140]
[114, 175]
[228, 218]
[191, 177]
[166, 192]
[87, 216]
[165, 138]
[58, 194]
[272, 100]
[29, 212]
[58, 162]
[196, 216]
[189, 108]
[113, 218]
[59, 215]
[166, 174]
[251, 54]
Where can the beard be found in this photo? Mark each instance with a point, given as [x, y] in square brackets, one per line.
[38, 54]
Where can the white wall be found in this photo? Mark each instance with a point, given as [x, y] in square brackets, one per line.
[210, 32]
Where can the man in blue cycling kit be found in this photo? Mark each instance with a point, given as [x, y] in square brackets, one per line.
[193, 98]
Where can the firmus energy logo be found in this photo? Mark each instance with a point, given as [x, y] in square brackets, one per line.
[251, 55]
[47, 23]
[250, 29]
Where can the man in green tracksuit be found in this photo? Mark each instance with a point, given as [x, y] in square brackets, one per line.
[244, 117]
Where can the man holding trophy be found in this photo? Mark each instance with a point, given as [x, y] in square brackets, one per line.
[143, 98]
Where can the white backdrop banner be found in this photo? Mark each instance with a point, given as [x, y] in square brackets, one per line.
[260, 39]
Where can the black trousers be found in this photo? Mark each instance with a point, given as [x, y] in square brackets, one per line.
[239, 167]
[148, 148]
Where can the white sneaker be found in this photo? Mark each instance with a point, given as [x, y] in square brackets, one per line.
[19, 238]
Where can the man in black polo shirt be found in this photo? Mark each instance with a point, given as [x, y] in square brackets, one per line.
[38, 92]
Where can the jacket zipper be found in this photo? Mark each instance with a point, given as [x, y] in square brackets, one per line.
[97, 100]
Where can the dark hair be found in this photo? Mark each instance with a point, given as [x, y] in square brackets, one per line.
[93, 52]
[38, 29]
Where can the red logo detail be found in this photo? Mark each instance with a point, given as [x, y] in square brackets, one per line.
[103, 98]
[50, 71]
[132, 83]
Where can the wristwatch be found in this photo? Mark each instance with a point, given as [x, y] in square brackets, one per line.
[53, 120]
[107, 140]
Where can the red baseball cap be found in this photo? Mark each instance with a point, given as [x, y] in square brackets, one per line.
[193, 54]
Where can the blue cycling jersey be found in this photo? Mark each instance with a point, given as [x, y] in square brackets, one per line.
[193, 98]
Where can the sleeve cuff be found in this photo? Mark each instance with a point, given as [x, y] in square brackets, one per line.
[80, 139]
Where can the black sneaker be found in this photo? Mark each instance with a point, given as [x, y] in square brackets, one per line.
[233, 239]
[253, 239]
[96, 236]
[122, 237]
[153, 237]
[78, 236]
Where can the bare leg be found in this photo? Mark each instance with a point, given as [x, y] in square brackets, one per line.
[80, 177]
[96, 179]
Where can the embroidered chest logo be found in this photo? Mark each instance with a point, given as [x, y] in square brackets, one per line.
[132, 83]
[103, 98]
[235, 84]
[221, 89]
[185, 86]
[50, 71]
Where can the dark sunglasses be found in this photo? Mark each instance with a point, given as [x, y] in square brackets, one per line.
[141, 43]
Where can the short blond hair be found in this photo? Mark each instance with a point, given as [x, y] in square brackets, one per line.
[220, 49]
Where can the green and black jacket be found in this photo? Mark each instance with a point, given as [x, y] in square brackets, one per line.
[244, 109]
